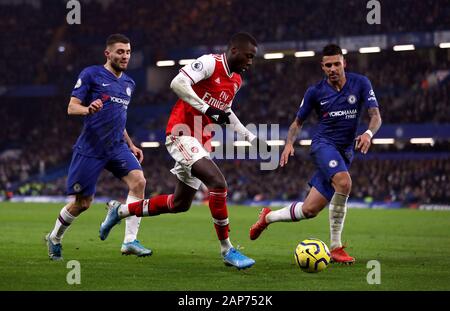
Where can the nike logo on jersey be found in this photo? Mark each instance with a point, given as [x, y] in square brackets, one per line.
[104, 84]
[217, 80]
[324, 102]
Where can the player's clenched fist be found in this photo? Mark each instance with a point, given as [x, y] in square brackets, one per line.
[95, 106]
[219, 116]
[287, 152]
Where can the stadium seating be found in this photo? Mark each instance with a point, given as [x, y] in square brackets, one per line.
[35, 146]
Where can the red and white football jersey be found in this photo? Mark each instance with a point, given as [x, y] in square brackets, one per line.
[215, 85]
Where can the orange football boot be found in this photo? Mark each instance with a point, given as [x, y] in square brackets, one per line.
[339, 255]
[260, 225]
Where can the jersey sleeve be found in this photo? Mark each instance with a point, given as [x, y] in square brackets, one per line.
[133, 88]
[307, 104]
[368, 95]
[200, 69]
[82, 86]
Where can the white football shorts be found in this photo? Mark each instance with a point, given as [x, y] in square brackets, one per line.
[186, 150]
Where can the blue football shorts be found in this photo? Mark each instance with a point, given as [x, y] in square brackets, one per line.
[328, 160]
[84, 170]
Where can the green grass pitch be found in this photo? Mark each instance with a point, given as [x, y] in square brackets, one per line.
[413, 248]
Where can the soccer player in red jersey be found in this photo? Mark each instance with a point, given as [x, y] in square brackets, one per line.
[206, 89]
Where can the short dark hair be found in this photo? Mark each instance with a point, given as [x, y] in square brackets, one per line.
[332, 49]
[117, 38]
[242, 38]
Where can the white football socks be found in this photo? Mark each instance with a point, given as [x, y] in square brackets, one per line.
[225, 245]
[131, 222]
[292, 212]
[338, 210]
[62, 223]
[123, 210]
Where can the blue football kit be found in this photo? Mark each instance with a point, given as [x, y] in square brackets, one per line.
[101, 143]
[338, 112]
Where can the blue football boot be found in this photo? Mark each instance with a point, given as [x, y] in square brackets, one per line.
[112, 219]
[234, 258]
[135, 248]
[54, 250]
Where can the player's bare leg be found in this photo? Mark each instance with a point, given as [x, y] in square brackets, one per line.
[66, 216]
[342, 184]
[295, 211]
[178, 202]
[131, 245]
[182, 197]
[208, 172]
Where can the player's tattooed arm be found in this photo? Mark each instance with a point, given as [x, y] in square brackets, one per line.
[294, 129]
[375, 120]
[363, 141]
[293, 132]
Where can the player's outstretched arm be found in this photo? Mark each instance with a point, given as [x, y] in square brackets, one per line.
[239, 127]
[257, 142]
[288, 151]
[76, 107]
[363, 141]
[182, 86]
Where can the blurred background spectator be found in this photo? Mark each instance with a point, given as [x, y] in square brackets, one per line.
[36, 135]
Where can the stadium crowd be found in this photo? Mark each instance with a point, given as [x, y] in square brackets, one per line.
[277, 88]
[408, 181]
[43, 140]
[34, 143]
[273, 90]
[212, 22]
[38, 136]
[184, 25]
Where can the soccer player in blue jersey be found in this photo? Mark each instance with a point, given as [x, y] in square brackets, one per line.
[102, 95]
[338, 100]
